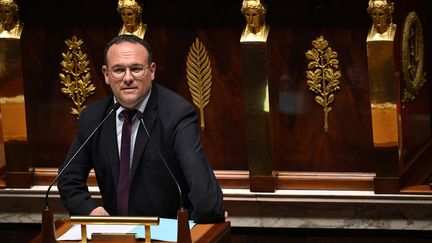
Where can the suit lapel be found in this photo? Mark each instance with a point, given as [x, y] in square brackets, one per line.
[142, 138]
[112, 147]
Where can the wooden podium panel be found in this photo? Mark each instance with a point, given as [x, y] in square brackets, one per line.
[200, 233]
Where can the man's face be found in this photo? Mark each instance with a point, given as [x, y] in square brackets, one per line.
[380, 19]
[130, 19]
[128, 74]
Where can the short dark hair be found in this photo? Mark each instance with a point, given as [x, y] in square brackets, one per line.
[128, 38]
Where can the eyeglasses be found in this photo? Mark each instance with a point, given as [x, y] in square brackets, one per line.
[137, 71]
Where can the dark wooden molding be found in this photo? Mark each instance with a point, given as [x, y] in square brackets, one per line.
[45, 176]
[233, 179]
[263, 183]
[415, 174]
[417, 189]
[419, 168]
[386, 185]
[239, 179]
[19, 179]
[302, 180]
[325, 181]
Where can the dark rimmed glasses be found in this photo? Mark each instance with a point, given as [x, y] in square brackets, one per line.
[137, 71]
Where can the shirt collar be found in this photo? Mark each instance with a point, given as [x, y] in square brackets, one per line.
[140, 106]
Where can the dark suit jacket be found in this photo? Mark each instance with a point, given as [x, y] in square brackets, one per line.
[173, 125]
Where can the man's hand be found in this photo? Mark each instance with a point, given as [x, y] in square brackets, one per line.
[99, 211]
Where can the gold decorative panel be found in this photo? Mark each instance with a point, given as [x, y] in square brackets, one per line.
[76, 75]
[199, 75]
[412, 57]
[323, 77]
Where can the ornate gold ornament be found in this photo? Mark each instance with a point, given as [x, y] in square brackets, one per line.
[381, 12]
[76, 75]
[199, 75]
[412, 57]
[130, 11]
[10, 24]
[256, 29]
[323, 77]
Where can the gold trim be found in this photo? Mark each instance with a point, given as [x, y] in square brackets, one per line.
[323, 77]
[16, 99]
[113, 220]
[76, 75]
[123, 220]
[385, 105]
[412, 57]
[199, 75]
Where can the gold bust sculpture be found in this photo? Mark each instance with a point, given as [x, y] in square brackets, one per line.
[10, 25]
[256, 28]
[382, 20]
[130, 12]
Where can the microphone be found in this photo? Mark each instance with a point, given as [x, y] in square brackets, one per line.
[140, 116]
[48, 235]
[183, 230]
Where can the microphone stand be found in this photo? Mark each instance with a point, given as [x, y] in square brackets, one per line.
[48, 228]
[183, 230]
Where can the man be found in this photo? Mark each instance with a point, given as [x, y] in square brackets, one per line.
[173, 126]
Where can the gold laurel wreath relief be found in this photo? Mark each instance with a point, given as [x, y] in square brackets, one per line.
[76, 75]
[412, 57]
[323, 77]
[199, 75]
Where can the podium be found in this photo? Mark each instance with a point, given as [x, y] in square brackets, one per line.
[200, 233]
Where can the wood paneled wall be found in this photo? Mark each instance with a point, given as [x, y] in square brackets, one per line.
[298, 140]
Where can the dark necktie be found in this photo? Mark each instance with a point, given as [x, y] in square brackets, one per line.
[125, 156]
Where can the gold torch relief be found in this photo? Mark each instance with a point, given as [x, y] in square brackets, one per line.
[76, 75]
[199, 77]
[323, 77]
